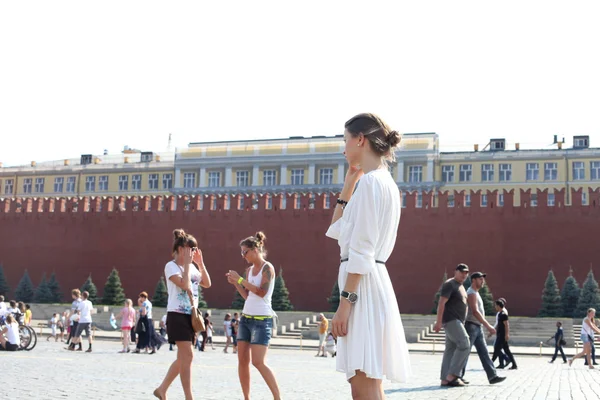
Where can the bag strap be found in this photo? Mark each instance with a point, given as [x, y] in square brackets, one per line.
[191, 299]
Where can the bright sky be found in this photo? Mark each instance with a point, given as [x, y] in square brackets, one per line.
[80, 77]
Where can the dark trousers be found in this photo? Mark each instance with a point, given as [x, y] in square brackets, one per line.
[502, 345]
[593, 355]
[557, 348]
[204, 339]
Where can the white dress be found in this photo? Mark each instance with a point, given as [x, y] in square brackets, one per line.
[375, 343]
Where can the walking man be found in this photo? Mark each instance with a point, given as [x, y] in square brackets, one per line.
[559, 342]
[474, 325]
[451, 314]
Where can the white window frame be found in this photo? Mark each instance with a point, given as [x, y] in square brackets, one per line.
[136, 182]
[123, 183]
[269, 177]
[415, 173]
[487, 172]
[451, 200]
[595, 170]
[9, 186]
[580, 142]
[297, 177]
[578, 170]
[484, 200]
[584, 199]
[465, 172]
[500, 201]
[27, 184]
[153, 181]
[103, 183]
[505, 172]
[241, 202]
[448, 173]
[550, 171]
[551, 199]
[189, 180]
[327, 202]
[532, 172]
[214, 179]
[90, 183]
[39, 185]
[404, 197]
[59, 184]
[167, 181]
[326, 176]
[269, 203]
[242, 178]
[533, 200]
[419, 200]
[467, 200]
[71, 182]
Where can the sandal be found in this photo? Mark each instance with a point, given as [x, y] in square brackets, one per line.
[456, 382]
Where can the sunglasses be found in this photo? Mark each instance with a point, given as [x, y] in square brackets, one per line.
[244, 252]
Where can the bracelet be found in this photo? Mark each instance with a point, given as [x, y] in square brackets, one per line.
[240, 280]
[343, 203]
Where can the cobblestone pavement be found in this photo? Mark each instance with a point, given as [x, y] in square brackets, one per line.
[49, 372]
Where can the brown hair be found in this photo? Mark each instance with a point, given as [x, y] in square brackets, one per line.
[182, 239]
[381, 137]
[76, 292]
[144, 295]
[10, 319]
[85, 295]
[255, 242]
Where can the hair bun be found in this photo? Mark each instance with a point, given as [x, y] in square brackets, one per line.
[393, 138]
[260, 237]
[179, 233]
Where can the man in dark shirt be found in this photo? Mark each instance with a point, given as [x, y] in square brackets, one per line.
[503, 335]
[558, 343]
[451, 314]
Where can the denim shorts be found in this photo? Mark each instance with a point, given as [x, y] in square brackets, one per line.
[585, 338]
[255, 331]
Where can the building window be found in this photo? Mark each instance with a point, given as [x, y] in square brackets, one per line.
[103, 183]
[90, 183]
[214, 179]
[153, 181]
[9, 186]
[123, 183]
[550, 200]
[27, 185]
[59, 184]
[269, 202]
[241, 178]
[327, 201]
[241, 202]
[484, 200]
[39, 185]
[404, 199]
[487, 172]
[136, 182]
[325, 176]
[595, 170]
[550, 171]
[270, 177]
[533, 172]
[466, 173]
[467, 200]
[578, 171]
[533, 200]
[584, 199]
[167, 181]
[505, 172]
[297, 177]
[415, 173]
[500, 199]
[448, 173]
[297, 203]
[71, 184]
[419, 202]
[189, 180]
[450, 200]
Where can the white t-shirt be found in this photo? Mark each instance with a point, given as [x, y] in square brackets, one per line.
[3, 309]
[179, 301]
[12, 334]
[164, 319]
[85, 306]
[227, 325]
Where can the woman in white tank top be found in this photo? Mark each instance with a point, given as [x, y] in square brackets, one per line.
[256, 324]
[588, 327]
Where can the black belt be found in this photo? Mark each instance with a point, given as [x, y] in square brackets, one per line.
[376, 261]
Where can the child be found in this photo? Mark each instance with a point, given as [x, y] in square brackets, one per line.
[11, 330]
[330, 345]
[209, 333]
[61, 325]
[53, 323]
[127, 315]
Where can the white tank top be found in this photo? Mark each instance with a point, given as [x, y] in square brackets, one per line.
[256, 305]
[586, 329]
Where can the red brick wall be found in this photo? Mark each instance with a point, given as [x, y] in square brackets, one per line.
[516, 246]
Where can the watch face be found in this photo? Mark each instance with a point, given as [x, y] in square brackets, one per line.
[353, 297]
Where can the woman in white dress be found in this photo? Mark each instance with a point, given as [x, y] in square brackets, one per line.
[371, 342]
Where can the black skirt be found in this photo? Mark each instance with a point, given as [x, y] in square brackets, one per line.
[179, 327]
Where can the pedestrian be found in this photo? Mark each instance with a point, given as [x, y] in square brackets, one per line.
[588, 328]
[503, 336]
[503, 357]
[559, 342]
[9, 334]
[256, 324]
[474, 324]
[28, 315]
[323, 327]
[85, 323]
[73, 316]
[3, 308]
[209, 330]
[127, 315]
[330, 344]
[235, 321]
[451, 314]
[143, 326]
[227, 331]
[62, 324]
[367, 324]
[53, 327]
[183, 273]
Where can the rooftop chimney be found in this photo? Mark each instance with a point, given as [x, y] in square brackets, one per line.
[475, 147]
[33, 163]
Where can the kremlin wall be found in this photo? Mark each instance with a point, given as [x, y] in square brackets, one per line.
[515, 244]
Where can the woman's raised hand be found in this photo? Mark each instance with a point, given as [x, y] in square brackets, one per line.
[187, 255]
[197, 256]
[232, 277]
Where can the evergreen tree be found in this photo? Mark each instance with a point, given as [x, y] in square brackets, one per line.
[281, 300]
[54, 289]
[42, 293]
[334, 299]
[25, 289]
[161, 296]
[489, 305]
[238, 301]
[436, 298]
[569, 295]
[590, 296]
[89, 286]
[114, 295]
[201, 301]
[4, 288]
[551, 304]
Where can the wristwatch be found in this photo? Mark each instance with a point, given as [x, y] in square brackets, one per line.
[350, 296]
